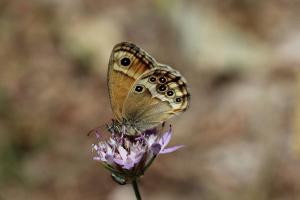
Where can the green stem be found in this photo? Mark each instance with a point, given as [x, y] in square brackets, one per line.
[136, 189]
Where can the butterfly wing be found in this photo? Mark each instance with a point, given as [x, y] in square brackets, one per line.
[155, 97]
[126, 64]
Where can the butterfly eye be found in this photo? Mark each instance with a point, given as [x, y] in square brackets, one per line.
[178, 99]
[125, 62]
[162, 79]
[152, 79]
[139, 88]
[170, 93]
[162, 88]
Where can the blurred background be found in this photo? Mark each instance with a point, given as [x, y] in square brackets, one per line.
[241, 134]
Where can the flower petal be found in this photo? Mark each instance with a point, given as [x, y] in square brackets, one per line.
[95, 147]
[119, 161]
[151, 139]
[123, 152]
[128, 164]
[165, 139]
[170, 149]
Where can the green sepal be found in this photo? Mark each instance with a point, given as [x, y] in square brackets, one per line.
[118, 178]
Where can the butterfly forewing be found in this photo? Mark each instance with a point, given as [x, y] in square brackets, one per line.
[127, 63]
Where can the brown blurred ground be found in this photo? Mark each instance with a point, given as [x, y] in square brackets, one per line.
[240, 58]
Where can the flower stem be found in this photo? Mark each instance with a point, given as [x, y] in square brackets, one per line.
[136, 189]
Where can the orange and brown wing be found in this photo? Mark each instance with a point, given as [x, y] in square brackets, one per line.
[127, 63]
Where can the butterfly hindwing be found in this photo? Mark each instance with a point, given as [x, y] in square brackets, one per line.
[155, 97]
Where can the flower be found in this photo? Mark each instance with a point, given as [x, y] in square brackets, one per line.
[128, 157]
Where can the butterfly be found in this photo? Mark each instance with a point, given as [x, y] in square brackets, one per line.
[143, 93]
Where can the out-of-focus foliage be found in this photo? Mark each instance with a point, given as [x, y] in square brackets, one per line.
[241, 60]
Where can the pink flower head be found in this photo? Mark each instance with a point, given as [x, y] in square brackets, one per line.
[127, 156]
